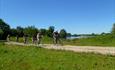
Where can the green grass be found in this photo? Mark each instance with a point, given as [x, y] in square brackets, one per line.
[14, 57]
[45, 40]
[101, 40]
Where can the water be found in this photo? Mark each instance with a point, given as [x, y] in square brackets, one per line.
[78, 37]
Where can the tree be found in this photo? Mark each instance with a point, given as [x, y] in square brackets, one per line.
[93, 34]
[113, 30]
[13, 32]
[43, 31]
[30, 31]
[4, 29]
[103, 33]
[63, 33]
[1, 33]
[69, 34]
[50, 31]
[20, 31]
[75, 35]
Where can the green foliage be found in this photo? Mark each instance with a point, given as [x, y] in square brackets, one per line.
[50, 31]
[13, 32]
[5, 29]
[113, 29]
[1, 32]
[20, 31]
[14, 57]
[63, 33]
[4, 26]
[93, 34]
[43, 31]
[69, 34]
[31, 31]
[100, 40]
[47, 40]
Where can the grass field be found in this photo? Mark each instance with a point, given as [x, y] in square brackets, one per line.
[94, 41]
[14, 57]
[102, 40]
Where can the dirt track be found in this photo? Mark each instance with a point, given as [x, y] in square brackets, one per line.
[94, 49]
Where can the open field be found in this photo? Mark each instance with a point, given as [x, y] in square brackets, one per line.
[102, 40]
[33, 58]
[87, 49]
[57, 34]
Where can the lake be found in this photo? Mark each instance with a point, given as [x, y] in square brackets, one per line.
[78, 37]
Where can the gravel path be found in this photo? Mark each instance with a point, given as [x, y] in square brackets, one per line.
[94, 49]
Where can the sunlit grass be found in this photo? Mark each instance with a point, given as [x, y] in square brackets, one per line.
[102, 40]
[14, 57]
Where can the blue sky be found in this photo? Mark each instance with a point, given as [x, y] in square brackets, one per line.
[76, 16]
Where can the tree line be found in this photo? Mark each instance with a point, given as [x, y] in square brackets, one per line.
[30, 31]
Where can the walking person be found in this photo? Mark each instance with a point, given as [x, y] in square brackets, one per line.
[56, 38]
[8, 37]
[17, 38]
[34, 39]
[39, 37]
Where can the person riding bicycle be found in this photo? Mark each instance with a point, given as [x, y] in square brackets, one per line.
[56, 37]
